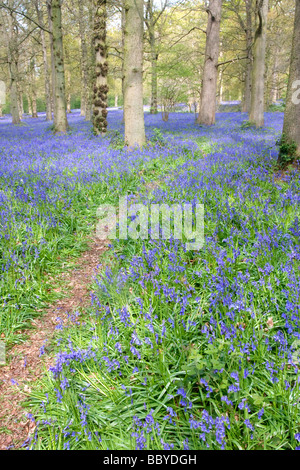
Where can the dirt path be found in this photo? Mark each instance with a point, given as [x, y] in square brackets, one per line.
[25, 364]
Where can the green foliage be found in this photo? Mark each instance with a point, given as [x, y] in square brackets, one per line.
[277, 107]
[247, 125]
[51, 128]
[287, 151]
[75, 102]
[225, 108]
[116, 139]
[158, 137]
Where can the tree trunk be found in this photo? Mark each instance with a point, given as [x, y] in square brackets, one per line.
[133, 74]
[45, 62]
[116, 100]
[207, 114]
[291, 126]
[248, 76]
[91, 64]
[13, 70]
[34, 105]
[100, 87]
[220, 92]
[84, 61]
[69, 91]
[60, 116]
[274, 79]
[258, 71]
[32, 88]
[154, 58]
[14, 98]
[123, 42]
[49, 8]
[20, 100]
[29, 104]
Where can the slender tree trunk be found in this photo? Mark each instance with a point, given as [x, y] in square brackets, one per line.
[291, 125]
[133, 74]
[248, 76]
[14, 106]
[14, 96]
[256, 115]
[45, 62]
[34, 106]
[60, 116]
[274, 78]
[220, 92]
[100, 87]
[49, 9]
[29, 100]
[14, 102]
[116, 100]
[20, 100]
[13, 70]
[32, 88]
[69, 91]
[91, 64]
[84, 61]
[154, 59]
[123, 42]
[207, 114]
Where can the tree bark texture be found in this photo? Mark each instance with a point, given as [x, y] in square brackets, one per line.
[45, 62]
[207, 114]
[256, 115]
[133, 74]
[84, 61]
[101, 69]
[248, 76]
[291, 125]
[60, 116]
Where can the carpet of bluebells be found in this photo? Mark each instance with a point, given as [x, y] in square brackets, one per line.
[179, 349]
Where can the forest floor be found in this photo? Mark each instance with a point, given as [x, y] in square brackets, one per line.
[143, 343]
[26, 364]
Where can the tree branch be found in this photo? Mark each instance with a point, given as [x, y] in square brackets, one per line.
[13, 10]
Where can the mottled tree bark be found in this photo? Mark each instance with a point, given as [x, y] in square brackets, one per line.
[256, 115]
[291, 126]
[100, 87]
[60, 116]
[133, 74]
[207, 114]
